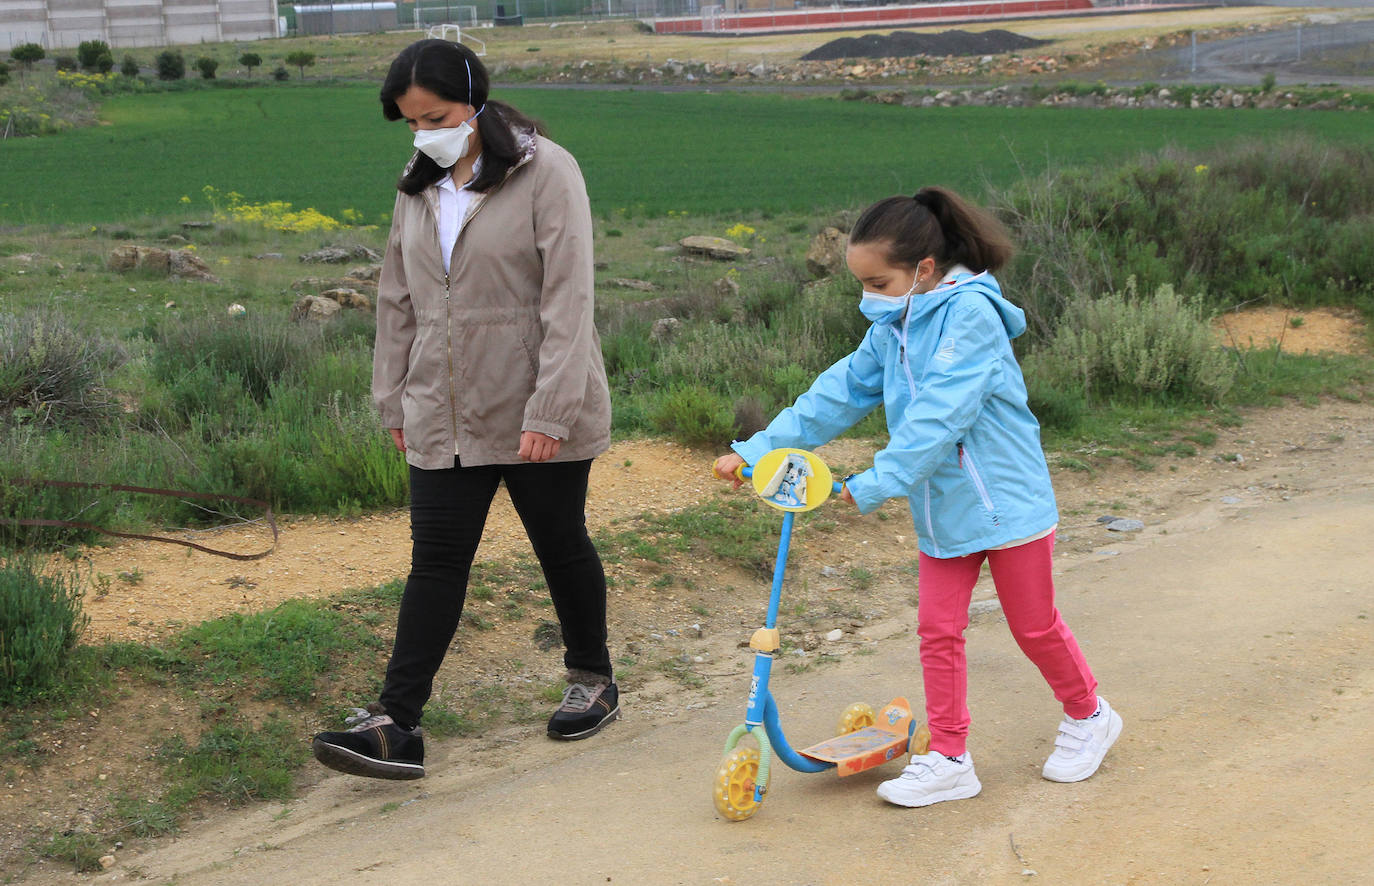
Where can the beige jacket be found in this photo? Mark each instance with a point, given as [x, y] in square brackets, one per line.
[504, 343]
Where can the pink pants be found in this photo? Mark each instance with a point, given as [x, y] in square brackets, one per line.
[1025, 588]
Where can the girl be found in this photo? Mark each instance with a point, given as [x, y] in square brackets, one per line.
[487, 370]
[964, 450]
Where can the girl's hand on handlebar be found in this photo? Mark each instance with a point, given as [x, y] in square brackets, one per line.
[726, 466]
[845, 496]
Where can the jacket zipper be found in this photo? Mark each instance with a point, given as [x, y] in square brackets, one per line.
[448, 308]
[930, 526]
[966, 462]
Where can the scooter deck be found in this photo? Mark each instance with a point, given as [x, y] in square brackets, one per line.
[871, 746]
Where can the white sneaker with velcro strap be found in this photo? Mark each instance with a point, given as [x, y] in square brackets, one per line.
[1080, 745]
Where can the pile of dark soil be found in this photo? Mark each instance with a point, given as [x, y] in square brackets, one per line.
[900, 44]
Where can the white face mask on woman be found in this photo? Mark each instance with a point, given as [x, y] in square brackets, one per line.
[446, 146]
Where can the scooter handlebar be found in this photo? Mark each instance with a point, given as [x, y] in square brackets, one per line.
[744, 472]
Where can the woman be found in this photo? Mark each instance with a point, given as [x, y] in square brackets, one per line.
[487, 369]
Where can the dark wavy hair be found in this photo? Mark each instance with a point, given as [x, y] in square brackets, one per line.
[935, 222]
[442, 67]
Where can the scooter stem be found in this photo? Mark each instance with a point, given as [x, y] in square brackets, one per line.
[779, 568]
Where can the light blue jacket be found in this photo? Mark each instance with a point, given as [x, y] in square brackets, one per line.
[964, 448]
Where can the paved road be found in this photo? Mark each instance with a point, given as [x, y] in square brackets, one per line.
[1305, 55]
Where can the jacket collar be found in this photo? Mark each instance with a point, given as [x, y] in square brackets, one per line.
[525, 142]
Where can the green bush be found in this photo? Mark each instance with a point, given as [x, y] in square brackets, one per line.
[207, 67]
[171, 65]
[249, 353]
[129, 67]
[40, 622]
[695, 415]
[1131, 347]
[4, 73]
[1252, 221]
[89, 52]
[51, 372]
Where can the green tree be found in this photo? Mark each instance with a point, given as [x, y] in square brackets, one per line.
[280, 73]
[300, 59]
[170, 65]
[250, 60]
[89, 53]
[4, 73]
[129, 67]
[207, 67]
[26, 54]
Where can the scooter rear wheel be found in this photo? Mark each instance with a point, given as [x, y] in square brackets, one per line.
[735, 780]
[857, 716]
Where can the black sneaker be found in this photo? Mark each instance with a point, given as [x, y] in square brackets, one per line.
[585, 709]
[374, 747]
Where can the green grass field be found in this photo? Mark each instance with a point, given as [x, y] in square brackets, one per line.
[642, 153]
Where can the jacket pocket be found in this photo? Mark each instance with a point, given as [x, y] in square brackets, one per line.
[970, 468]
[496, 378]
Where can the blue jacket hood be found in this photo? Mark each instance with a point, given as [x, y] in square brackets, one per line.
[965, 281]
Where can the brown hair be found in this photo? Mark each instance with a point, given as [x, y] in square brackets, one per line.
[935, 222]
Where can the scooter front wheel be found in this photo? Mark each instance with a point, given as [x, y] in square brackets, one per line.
[735, 782]
[857, 716]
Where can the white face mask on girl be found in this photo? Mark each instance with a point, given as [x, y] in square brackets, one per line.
[446, 146]
[885, 309]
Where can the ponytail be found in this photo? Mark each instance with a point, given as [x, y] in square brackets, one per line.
[935, 223]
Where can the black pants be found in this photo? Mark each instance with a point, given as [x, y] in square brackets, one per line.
[448, 508]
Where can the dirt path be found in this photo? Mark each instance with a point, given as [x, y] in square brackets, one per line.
[1233, 634]
[156, 587]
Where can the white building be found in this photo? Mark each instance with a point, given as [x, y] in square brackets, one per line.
[62, 24]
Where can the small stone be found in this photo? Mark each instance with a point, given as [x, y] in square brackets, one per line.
[315, 309]
[1230, 500]
[348, 298]
[107, 861]
[1125, 525]
[834, 635]
[982, 607]
[826, 253]
[665, 329]
[1107, 518]
[236, 310]
[829, 571]
[713, 247]
[630, 283]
